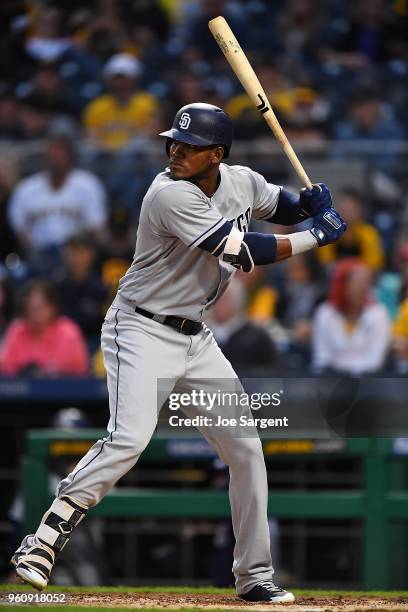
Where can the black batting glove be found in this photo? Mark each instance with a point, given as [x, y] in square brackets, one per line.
[328, 227]
[313, 201]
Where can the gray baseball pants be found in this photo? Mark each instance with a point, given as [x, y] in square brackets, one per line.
[140, 353]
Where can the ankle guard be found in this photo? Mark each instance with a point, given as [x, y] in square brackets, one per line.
[58, 522]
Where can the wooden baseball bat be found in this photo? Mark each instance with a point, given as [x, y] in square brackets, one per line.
[250, 82]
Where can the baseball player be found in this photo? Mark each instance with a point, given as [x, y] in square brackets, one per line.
[192, 236]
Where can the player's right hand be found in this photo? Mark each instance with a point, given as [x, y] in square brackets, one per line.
[328, 226]
[313, 201]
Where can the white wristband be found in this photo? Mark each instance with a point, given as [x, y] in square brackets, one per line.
[300, 241]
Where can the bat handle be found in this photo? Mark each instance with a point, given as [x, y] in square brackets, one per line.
[301, 173]
[287, 147]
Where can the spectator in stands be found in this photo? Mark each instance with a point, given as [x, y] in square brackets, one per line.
[248, 122]
[369, 121]
[15, 20]
[299, 27]
[48, 208]
[9, 125]
[261, 297]
[48, 94]
[188, 88]
[304, 286]
[351, 331]
[245, 344]
[114, 119]
[196, 18]
[33, 122]
[367, 36]
[302, 110]
[392, 284]
[47, 43]
[362, 239]
[305, 114]
[41, 342]
[82, 293]
[151, 15]
[99, 34]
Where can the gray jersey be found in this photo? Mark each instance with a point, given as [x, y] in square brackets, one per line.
[169, 274]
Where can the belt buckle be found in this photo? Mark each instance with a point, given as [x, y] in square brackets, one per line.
[182, 325]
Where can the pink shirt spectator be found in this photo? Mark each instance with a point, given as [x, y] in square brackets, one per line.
[59, 350]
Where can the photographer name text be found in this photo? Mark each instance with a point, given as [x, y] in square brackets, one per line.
[219, 421]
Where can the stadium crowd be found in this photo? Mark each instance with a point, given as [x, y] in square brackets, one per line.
[85, 86]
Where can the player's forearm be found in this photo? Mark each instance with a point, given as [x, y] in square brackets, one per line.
[268, 248]
[283, 249]
[293, 244]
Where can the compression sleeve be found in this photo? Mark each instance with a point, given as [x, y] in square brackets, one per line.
[288, 210]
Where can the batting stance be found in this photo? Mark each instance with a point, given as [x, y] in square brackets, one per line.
[192, 236]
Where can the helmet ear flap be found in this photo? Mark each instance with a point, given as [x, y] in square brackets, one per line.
[169, 142]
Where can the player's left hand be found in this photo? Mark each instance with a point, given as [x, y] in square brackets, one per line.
[312, 201]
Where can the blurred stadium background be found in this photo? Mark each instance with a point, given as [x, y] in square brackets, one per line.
[85, 86]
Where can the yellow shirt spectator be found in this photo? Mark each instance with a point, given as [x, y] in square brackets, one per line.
[361, 240]
[262, 305]
[113, 125]
[98, 365]
[116, 118]
[283, 100]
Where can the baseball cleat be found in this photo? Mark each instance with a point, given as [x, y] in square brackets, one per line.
[34, 565]
[268, 592]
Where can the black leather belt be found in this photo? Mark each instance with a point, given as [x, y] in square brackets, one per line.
[184, 326]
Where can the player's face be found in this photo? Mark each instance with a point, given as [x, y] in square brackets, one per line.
[191, 161]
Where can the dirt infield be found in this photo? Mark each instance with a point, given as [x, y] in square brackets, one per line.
[230, 602]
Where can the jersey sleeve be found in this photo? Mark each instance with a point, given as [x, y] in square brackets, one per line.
[179, 210]
[265, 196]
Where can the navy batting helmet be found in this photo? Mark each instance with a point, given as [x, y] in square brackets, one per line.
[202, 125]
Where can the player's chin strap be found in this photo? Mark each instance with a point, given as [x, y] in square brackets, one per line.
[235, 251]
[59, 521]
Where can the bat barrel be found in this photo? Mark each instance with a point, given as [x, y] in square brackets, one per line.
[239, 63]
